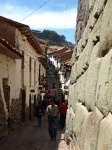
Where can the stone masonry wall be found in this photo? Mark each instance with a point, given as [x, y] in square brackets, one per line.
[3, 122]
[82, 18]
[89, 114]
[15, 113]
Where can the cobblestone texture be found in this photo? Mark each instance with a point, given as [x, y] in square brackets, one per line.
[32, 137]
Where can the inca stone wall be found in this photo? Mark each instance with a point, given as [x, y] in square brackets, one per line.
[89, 114]
[82, 18]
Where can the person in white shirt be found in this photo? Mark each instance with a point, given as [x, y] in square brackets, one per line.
[53, 116]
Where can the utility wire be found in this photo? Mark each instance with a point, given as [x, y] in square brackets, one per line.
[22, 46]
[35, 10]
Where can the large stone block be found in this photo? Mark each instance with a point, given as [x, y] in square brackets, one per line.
[82, 88]
[91, 79]
[105, 134]
[72, 96]
[91, 130]
[81, 113]
[82, 18]
[73, 57]
[88, 50]
[70, 121]
[78, 89]
[94, 38]
[103, 84]
[73, 73]
[81, 67]
[98, 7]
[106, 29]
[91, 5]
[67, 119]
[79, 47]
[84, 131]
[93, 22]
[79, 96]
[109, 90]
[71, 86]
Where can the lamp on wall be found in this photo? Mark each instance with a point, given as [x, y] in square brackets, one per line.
[32, 91]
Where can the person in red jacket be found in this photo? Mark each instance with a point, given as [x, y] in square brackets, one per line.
[62, 110]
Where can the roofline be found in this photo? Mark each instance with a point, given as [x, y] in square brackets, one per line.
[43, 61]
[12, 49]
[25, 30]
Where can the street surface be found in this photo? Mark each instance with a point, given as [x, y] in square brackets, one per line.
[32, 137]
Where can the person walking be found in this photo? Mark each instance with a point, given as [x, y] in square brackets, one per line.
[53, 84]
[39, 112]
[57, 102]
[39, 96]
[45, 103]
[62, 110]
[53, 116]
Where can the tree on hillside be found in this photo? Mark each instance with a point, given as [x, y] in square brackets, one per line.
[51, 37]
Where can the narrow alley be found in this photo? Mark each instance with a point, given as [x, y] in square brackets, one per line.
[32, 137]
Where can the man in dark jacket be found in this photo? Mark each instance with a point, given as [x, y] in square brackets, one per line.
[39, 112]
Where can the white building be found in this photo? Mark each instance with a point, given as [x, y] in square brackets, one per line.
[19, 72]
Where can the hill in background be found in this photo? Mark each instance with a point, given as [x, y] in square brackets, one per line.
[52, 38]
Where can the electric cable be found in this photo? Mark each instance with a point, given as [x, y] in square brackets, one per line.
[34, 10]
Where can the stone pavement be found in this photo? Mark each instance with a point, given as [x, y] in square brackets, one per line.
[32, 137]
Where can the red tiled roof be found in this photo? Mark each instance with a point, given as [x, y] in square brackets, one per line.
[14, 23]
[26, 31]
[66, 56]
[62, 50]
[9, 47]
[52, 50]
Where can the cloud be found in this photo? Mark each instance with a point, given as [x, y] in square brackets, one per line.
[41, 20]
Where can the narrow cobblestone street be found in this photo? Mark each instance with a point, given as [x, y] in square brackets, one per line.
[32, 137]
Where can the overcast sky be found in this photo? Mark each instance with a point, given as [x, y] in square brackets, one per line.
[55, 15]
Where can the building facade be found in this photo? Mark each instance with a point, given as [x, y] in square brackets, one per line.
[19, 75]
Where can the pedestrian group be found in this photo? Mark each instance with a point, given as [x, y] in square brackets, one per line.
[55, 111]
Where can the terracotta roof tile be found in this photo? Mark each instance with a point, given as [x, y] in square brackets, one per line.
[26, 31]
[10, 47]
[62, 50]
[66, 56]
